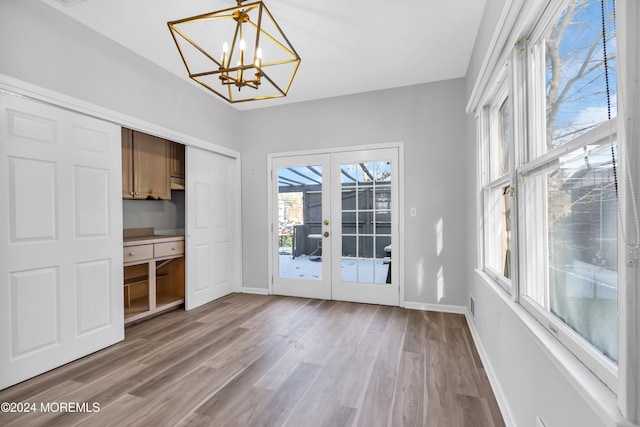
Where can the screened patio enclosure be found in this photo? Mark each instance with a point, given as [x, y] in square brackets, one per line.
[365, 221]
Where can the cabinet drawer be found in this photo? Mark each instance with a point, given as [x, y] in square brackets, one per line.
[136, 253]
[168, 248]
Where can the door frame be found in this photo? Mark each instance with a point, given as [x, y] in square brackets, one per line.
[270, 208]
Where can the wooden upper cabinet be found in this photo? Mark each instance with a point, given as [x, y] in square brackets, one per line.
[177, 166]
[127, 164]
[177, 160]
[146, 163]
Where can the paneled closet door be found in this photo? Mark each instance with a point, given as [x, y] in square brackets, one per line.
[61, 294]
[212, 256]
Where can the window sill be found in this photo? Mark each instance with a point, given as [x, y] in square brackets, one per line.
[589, 387]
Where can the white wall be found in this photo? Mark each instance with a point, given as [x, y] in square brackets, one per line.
[165, 216]
[490, 20]
[430, 120]
[44, 47]
[525, 375]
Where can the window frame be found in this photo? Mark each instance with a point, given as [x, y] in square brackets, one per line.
[489, 121]
[604, 368]
[521, 78]
[538, 158]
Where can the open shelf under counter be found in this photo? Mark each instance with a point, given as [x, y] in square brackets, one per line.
[153, 273]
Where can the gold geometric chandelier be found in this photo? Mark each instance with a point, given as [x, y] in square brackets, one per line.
[240, 53]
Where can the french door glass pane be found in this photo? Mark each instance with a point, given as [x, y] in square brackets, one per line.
[349, 246]
[383, 198]
[300, 222]
[366, 216]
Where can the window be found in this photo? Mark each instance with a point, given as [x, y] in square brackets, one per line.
[580, 77]
[498, 191]
[565, 209]
[570, 229]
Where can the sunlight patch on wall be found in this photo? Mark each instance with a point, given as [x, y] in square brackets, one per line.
[439, 236]
[440, 284]
[420, 276]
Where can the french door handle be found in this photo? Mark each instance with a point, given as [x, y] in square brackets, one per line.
[326, 222]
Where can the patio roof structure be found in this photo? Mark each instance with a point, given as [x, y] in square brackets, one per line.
[294, 178]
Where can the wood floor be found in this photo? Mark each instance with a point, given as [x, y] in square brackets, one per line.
[249, 360]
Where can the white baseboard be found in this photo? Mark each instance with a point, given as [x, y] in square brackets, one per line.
[488, 368]
[458, 309]
[257, 291]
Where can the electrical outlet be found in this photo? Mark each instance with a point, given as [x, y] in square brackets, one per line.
[412, 212]
[472, 306]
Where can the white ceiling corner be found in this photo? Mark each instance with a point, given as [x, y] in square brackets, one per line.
[69, 2]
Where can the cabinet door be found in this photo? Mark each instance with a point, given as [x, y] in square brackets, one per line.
[151, 160]
[61, 273]
[127, 164]
[177, 160]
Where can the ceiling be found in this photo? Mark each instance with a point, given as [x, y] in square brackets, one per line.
[346, 46]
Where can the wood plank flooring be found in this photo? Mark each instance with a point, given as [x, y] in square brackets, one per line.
[249, 360]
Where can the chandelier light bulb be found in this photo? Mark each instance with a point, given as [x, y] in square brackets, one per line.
[243, 45]
[225, 49]
[258, 57]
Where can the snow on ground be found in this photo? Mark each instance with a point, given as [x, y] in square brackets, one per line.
[353, 270]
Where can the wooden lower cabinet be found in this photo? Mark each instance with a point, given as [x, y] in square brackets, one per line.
[153, 276]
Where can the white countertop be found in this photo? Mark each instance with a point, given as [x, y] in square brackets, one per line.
[145, 240]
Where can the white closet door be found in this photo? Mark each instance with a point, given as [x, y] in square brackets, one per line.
[211, 224]
[61, 294]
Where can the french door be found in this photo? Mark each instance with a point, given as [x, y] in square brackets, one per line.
[335, 224]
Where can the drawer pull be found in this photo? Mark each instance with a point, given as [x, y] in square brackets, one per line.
[132, 253]
[173, 248]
